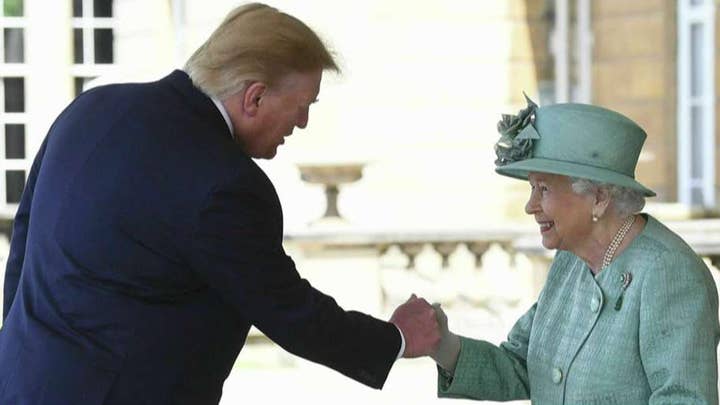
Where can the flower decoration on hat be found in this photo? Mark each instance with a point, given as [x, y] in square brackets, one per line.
[516, 135]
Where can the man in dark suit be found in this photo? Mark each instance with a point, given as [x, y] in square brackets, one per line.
[148, 241]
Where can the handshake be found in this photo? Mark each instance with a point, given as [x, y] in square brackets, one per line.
[426, 333]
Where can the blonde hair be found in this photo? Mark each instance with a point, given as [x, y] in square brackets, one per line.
[256, 42]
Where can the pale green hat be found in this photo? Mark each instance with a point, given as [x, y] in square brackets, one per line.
[576, 140]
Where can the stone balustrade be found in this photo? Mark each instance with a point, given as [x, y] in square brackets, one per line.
[489, 273]
[486, 277]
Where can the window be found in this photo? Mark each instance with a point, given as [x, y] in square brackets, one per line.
[14, 91]
[14, 161]
[14, 45]
[15, 182]
[14, 141]
[93, 40]
[696, 102]
[80, 84]
[13, 8]
[571, 47]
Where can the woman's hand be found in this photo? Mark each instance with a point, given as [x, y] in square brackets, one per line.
[447, 352]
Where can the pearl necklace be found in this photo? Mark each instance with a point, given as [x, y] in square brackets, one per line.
[617, 240]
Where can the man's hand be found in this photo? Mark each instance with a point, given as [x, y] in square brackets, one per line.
[417, 321]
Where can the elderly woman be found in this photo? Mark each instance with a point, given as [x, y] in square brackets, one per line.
[628, 314]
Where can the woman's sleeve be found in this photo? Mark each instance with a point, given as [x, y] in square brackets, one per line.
[488, 372]
[679, 331]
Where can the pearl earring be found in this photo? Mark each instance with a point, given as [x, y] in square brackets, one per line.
[594, 218]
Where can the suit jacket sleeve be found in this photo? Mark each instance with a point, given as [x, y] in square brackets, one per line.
[16, 257]
[237, 250]
[679, 332]
[488, 372]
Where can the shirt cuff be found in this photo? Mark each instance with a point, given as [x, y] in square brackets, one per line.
[402, 343]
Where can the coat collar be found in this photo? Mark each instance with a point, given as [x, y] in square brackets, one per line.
[200, 101]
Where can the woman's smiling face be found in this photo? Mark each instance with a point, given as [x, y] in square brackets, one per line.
[565, 218]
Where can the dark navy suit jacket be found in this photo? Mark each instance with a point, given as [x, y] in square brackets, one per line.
[145, 246]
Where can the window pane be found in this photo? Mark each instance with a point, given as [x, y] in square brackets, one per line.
[78, 45]
[14, 141]
[696, 134]
[696, 197]
[14, 184]
[14, 45]
[102, 8]
[696, 60]
[13, 8]
[14, 94]
[80, 83]
[103, 45]
[77, 8]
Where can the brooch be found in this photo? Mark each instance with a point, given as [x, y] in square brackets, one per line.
[625, 279]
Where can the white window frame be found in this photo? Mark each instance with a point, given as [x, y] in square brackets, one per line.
[703, 15]
[88, 23]
[7, 210]
[581, 55]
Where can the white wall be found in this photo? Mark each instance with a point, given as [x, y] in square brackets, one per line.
[422, 88]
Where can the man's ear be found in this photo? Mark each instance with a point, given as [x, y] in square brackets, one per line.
[601, 202]
[252, 98]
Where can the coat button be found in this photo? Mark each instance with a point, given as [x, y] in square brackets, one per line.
[557, 375]
[594, 304]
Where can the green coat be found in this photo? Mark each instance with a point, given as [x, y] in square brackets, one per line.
[577, 346]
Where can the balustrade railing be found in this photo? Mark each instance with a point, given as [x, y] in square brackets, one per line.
[497, 270]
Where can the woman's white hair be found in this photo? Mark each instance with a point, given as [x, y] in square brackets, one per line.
[625, 200]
